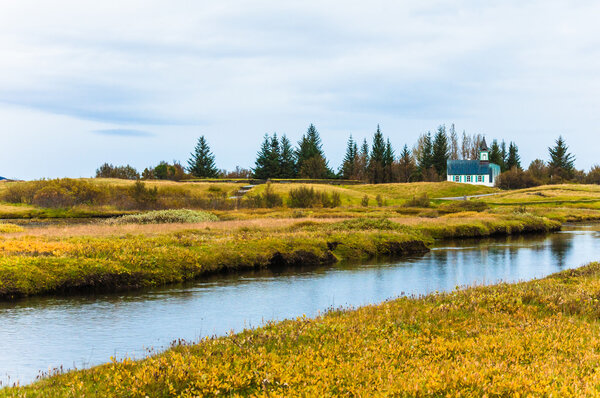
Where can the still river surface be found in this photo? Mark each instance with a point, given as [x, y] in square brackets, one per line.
[39, 334]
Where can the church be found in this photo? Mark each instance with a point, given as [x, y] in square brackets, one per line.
[477, 172]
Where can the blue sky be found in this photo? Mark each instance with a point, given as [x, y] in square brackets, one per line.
[82, 83]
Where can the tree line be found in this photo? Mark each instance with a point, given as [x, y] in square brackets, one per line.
[374, 160]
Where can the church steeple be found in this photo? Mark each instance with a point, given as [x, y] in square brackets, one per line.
[484, 152]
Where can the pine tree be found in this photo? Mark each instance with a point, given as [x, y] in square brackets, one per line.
[425, 159]
[363, 161]
[388, 162]
[504, 156]
[349, 167]
[496, 154]
[376, 160]
[287, 159]
[267, 160]
[406, 165]
[202, 161]
[310, 147]
[513, 160]
[562, 163]
[440, 151]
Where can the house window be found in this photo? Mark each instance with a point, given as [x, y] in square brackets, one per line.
[468, 178]
[456, 178]
[479, 178]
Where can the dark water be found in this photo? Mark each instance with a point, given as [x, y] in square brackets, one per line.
[42, 333]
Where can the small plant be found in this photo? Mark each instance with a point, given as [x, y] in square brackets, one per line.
[421, 201]
[166, 217]
[379, 200]
[9, 228]
[144, 197]
[365, 201]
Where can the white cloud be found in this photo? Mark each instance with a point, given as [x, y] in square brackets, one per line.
[233, 70]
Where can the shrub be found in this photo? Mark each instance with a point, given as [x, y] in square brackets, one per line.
[421, 201]
[463, 205]
[144, 198]
[123, 172]
[365, 201]
[57, 193]
[165, 217]
[516, 179]
[304, 197]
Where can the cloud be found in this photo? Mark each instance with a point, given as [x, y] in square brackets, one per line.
[124, 133]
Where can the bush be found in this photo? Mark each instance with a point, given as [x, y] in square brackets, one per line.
[463, 205]
[365, 201]
[516, 179]
[421, 201]
[123, 172]
[8, 228]
[304, 197]
[57, 193]
[165, 217]
[144, 198]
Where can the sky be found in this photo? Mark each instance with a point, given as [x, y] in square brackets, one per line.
[137, 82]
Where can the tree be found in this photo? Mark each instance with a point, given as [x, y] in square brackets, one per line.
[376, 160]
[465, 149]
[539, 170]
[310, 147]
[440, 153]
[349, 168]
[267, 160]
[496, 154]
[202, 161]
[388, 162]
[593, 177]
[123, 172]
[513, 160]
[406, 165]
[453, 145]
[425, 156]
[363, 161]
[504, 156]
[562, 163]
[287, 159]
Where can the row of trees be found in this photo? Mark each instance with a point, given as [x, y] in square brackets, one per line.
[376, 162]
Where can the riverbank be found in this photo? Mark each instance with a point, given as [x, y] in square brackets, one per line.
[101, 257]
[535, 338]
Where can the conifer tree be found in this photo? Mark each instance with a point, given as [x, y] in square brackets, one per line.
[562, 163]
[363, 161]
[453, 144]
[504, 156]
[496, 154]
[440, 151]
[267, 160]
[513, 160]
[406, 165]
[388, 162]
[202, 161]
[349, 168]
[376, 160]
[309, 147]
[287, 159]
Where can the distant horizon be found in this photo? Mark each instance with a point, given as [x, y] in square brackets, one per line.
[137, 82]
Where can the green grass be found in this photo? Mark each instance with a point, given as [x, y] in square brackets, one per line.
[537, 338]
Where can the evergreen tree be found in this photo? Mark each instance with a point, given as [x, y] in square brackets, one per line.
[504, 156]
[562, 163]
[310, 147]
[425, 159]
[440, 151]
[496, 154]
[349, 168]
[202, 161]
[406, 165]
[513, 160]
[388, 162]
[287, 159]
[267, 160]
[376, 160]
[363, 161]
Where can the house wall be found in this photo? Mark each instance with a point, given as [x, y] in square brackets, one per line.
[463, 179]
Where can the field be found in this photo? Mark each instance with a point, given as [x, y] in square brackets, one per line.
[495, 341]
[539, 338]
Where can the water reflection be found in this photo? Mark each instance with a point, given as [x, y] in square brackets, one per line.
[39, 333]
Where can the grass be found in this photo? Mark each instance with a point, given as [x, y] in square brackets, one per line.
[100, 257]
[537, 338]
[181, 216]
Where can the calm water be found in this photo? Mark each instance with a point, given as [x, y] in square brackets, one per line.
[42, 333]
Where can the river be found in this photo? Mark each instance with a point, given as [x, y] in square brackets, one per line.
[42, 333]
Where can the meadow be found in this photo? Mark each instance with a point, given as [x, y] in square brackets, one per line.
[537, 338]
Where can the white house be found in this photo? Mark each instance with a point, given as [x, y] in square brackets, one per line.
[478, 172]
